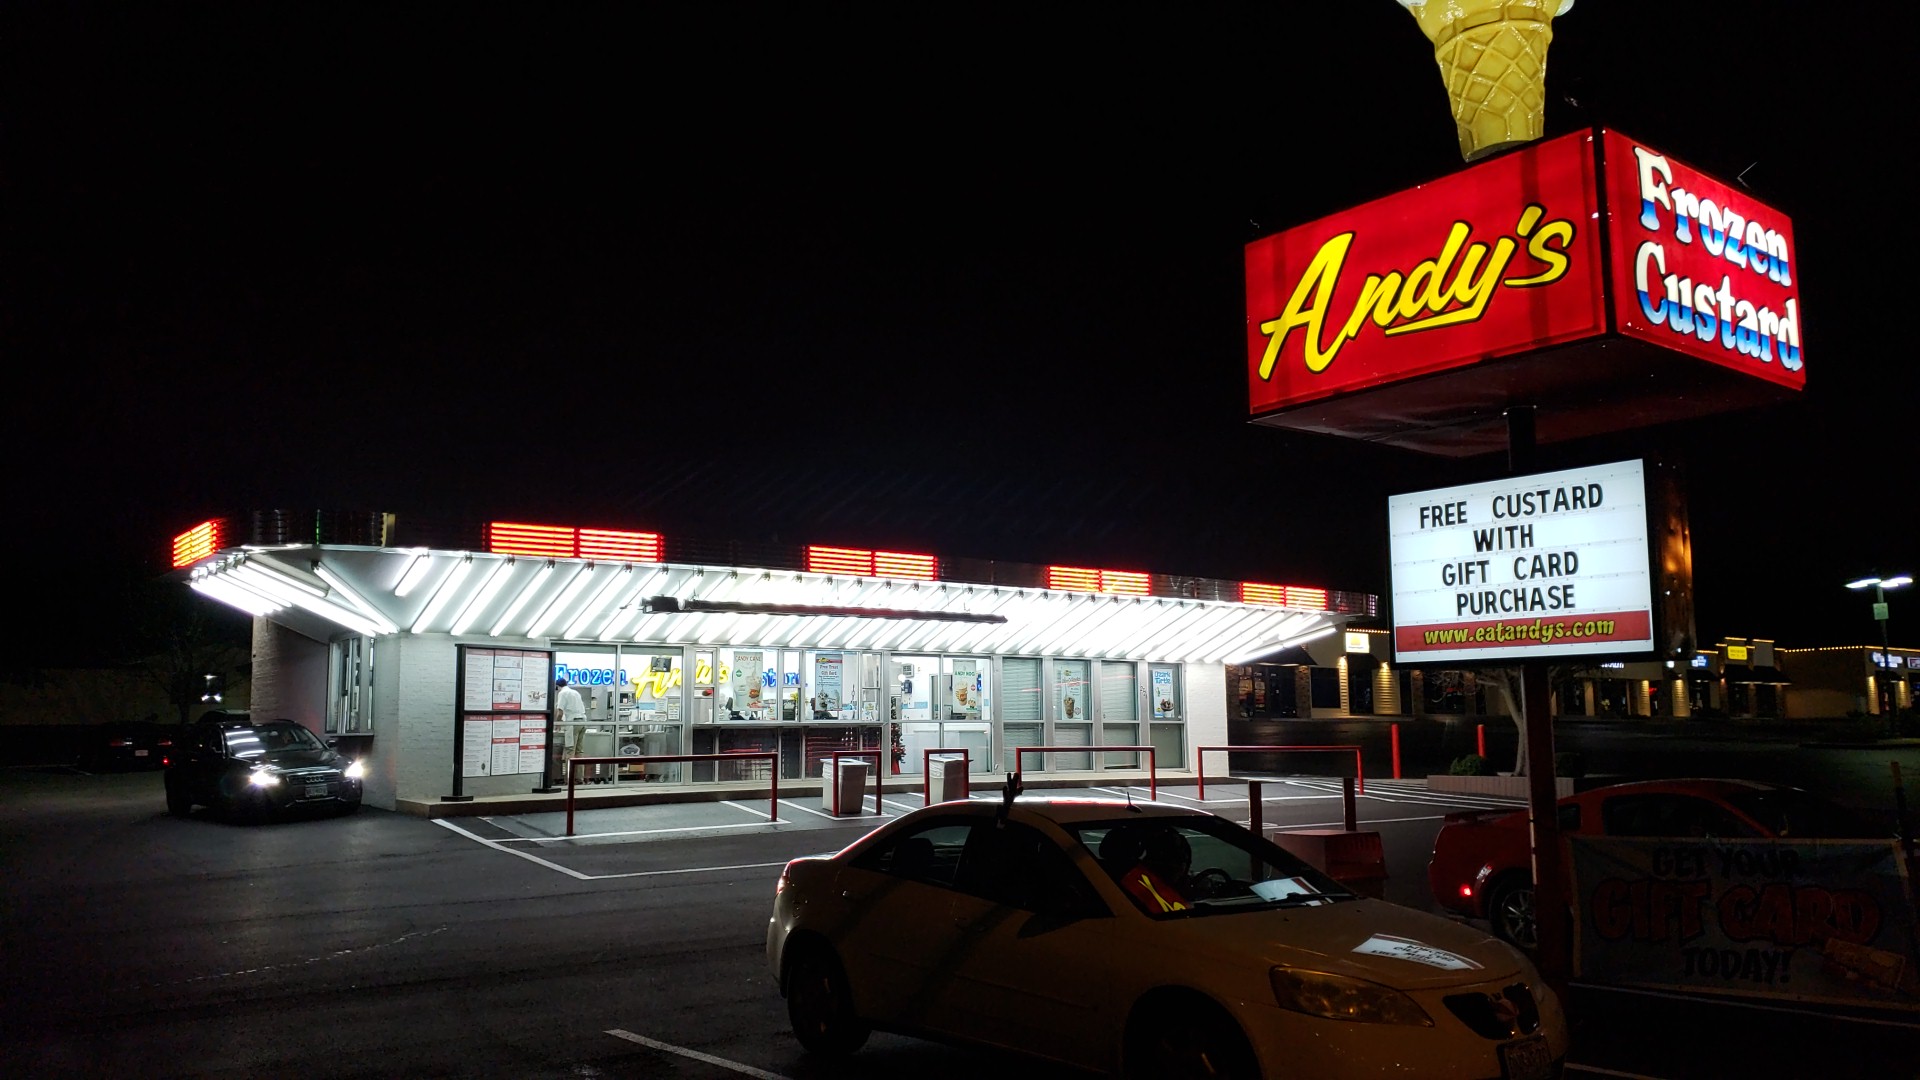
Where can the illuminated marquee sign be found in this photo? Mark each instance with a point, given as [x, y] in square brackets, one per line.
[1594, 277]
[1554, 564]
[1702, 267]
[1500, 258]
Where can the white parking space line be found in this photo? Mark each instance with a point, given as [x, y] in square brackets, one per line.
[641, 832]
[497, 846]
[744, 1070]
[1363, 822]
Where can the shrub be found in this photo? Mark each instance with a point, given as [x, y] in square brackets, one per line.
[1570, 763]
[1470, 765]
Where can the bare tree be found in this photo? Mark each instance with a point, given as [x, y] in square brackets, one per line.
[181, 639]
[1506, 682]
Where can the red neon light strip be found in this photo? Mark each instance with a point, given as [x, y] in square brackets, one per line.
[551, 541]
[833, 560]
[903, 565]
[1123, 581]
[1078, 579]
[1303, 597]
[197, 543]
[1297, 596]
[624, 546]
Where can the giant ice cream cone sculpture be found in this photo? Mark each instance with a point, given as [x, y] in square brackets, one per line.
[1493, 57]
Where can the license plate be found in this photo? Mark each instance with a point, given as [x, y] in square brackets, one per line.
[139, 753]
[316, 791]
[1528, 1059]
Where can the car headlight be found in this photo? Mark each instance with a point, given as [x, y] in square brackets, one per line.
[1340, 997]
[355, 771]
[263, 778]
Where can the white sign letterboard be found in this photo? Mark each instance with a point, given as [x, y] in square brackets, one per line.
[1554, 564]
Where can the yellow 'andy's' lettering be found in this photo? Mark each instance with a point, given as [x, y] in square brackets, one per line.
[1451, 288]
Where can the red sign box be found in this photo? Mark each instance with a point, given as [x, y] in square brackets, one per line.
[1420, 318]
[1497, 259]
[1701, 268]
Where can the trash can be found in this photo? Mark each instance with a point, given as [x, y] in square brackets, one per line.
[947, 779]
[654, 744]
[853, 785]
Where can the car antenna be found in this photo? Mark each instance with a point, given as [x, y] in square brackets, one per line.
[1012, 792]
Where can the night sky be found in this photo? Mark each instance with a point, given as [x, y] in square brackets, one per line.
[961, 280]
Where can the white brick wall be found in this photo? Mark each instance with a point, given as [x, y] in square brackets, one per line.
[289, 676]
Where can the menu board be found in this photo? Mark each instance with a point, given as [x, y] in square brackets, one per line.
[477, 746]
[505, 694]
[506, 680]
[499, 745]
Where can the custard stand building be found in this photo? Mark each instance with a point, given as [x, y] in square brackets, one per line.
[435, 661]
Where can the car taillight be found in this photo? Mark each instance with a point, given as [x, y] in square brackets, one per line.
[165, 761]
[780, 883]
[116, 742]
[1466, 891]
[163, 741]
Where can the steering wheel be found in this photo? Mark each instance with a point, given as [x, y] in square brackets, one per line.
[1211, 881]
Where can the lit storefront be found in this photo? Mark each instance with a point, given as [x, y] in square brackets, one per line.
[438, 661]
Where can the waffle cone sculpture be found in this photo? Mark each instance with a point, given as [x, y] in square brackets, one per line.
[1493, 58]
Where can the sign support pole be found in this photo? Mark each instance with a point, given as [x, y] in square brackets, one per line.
[1552, 956]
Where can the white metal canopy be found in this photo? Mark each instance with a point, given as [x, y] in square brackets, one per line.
[322, 590]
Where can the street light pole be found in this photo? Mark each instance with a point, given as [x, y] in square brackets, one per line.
[1884, 668]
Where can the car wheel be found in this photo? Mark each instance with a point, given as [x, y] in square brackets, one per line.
[820, 1005]
[178, 804]
[1192, 1041]
[1510, 910]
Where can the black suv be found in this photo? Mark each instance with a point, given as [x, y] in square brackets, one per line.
[257, 769]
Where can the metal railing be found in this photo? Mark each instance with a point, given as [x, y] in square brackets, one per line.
[1153, 776]
[773, 809]
[1200, 760]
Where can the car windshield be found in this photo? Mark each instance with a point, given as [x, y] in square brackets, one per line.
[1178, 867]
[269, 738]
[1790, 812]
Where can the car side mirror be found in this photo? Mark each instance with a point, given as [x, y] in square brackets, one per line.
[333, 742]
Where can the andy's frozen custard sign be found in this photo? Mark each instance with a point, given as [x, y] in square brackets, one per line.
[1506, 258]
[1705, 270]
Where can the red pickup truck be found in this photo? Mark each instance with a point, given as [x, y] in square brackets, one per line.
[1482, 859]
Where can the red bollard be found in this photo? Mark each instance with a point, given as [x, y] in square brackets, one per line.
[1481, 736]
[1396, 751]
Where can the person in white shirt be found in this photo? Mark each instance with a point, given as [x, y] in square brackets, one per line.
[568, 713]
